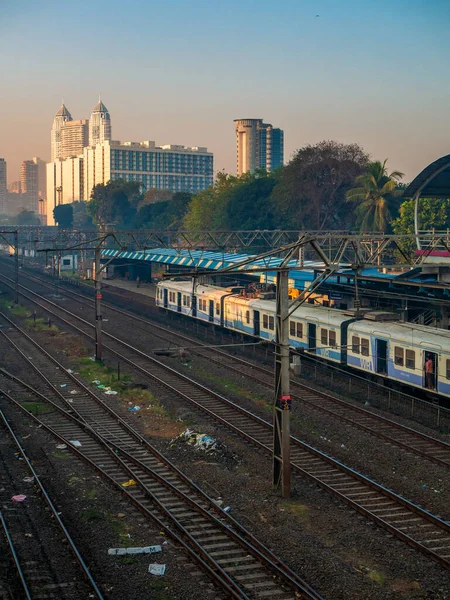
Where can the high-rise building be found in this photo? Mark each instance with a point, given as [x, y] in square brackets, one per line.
[74, 138]
[29, 182]
[61, 118]
[3, 187]
[14, 187]
[42, 177]
[259, 146]
[99, 125]
[171, 167]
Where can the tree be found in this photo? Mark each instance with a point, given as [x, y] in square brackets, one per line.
[63, 215]
[168, 214]
[115, 202]
[376, 194]
[26, 217]
[249, 204]
[81, 219]
[312, 187]
[434, 213]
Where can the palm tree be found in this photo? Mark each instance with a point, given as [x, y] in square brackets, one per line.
[375, 192]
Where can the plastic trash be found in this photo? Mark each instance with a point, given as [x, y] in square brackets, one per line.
[63, 385]
[156, 569]
[97, 381]
[75, 443]
[19, 498]
[101, 386]
[129, 483]
[73, 392]
[61, 446]
[69, 370]
[135, 408]
[227, 509]
[111, 392]
[28, 479]
[140, 550]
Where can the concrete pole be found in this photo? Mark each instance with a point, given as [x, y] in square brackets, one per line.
[98, 306]
[282, 399]
[16, 266]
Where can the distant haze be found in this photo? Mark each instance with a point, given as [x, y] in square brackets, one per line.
[180, 71]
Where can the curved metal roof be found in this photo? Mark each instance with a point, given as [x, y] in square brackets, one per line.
[433, 181]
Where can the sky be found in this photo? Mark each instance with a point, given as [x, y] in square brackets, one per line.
[179, 72]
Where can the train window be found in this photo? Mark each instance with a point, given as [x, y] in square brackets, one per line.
[365, 347]
[292, 328]
[202, 305]
[171, 296]
[184, 300]
[324, 336]
[265, 321]
[188, 301]
[217, 308]
[399, 356]
[410, 359]
[247, 316]
[332, 339]
[299, 330]
[447, 368]
[271, 323]
[355, 344]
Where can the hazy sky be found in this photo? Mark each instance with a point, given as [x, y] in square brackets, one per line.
[180, 71]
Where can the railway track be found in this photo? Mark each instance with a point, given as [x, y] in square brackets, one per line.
[238, 563]
[388, 430]
[412, 524]
[44, 570]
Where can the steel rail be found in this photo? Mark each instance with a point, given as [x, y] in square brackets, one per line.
[55, 514]
[382, 492]
[318, 396]
[249, 544]
[15, 558]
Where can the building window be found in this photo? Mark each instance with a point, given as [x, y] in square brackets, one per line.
[355, 344]
[324, 337]
[410, 359]
[332, 339]
[399, 356]
[365, 347]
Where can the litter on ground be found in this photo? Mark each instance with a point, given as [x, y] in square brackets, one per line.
[61, 446]
[75, 443]
[129, 483]
[200, 441]
[143, 550]
[19, 498]
[111, 392]
[134, 408]
[156, 569]
[28, 479]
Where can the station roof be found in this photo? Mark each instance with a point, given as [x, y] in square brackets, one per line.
[433, 181]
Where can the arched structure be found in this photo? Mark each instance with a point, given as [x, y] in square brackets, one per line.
[432, 182]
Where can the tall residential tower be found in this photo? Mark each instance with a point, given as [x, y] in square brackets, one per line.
[3, 187]
[61, 118]
[99, 125]
[259, 146]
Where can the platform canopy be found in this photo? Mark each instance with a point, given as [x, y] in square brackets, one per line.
[432, 182]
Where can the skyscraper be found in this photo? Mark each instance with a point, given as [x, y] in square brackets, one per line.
[99, 124]
[74, 138]
[259, 146]
[61, 118]
[3, 187]
[29, 181]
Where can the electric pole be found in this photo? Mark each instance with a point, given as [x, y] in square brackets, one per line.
[98, 306]
[16, 266]
[282, 399]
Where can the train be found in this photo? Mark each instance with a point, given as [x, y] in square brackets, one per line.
[390, 350]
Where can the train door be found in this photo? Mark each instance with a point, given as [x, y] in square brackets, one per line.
[194, 305]
[179, 301]
[166, 294]
[211, 311]
[381, 356]
[256, 323]
[312, 340]
[430, 370]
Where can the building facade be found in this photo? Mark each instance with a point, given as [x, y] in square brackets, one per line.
[174, 168]
[29, 183]
[74, 138]
[3, 187]
[99, 125]
[61, 118]
[258, 146]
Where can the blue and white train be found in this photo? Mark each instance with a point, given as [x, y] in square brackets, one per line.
[391, 350]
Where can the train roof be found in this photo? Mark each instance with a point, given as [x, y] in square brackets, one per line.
[419, 335]
[311, 312]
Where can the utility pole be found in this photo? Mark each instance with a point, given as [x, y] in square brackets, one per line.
[16, 266]
[282, 399]
[98, 306]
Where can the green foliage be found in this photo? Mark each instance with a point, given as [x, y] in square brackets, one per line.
[312, 187]
[434, 213]
[168, 214]
[81, 219]
[25, 217]
[63, 215]
[375, 194]
[114, 203]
